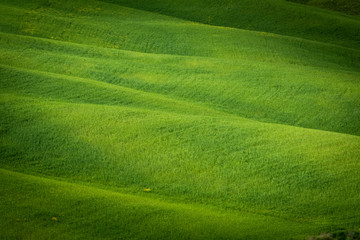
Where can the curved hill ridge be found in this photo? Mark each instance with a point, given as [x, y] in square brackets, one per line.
[243, 67]
[192, 221]
[275, 16]
[245, 130]
[351, 7]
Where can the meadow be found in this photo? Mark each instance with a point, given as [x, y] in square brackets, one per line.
[203, 119]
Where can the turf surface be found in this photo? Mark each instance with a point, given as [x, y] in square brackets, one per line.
[178, 120]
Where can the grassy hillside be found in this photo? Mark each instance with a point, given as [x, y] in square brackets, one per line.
[275, 16]
[236, 134]
[44, 212]
[347, 6]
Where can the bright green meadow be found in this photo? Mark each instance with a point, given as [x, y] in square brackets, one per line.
[201, 119]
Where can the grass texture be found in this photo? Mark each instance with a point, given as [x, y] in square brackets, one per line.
[351, 7]
[178, 120]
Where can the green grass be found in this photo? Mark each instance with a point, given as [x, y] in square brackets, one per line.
[275, 16]
[351, 7]
[239, 132]
[58, 210]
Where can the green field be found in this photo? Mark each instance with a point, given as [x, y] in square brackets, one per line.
[351, 7]
[202, 119]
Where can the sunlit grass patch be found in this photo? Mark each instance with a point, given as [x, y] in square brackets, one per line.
[130, 120]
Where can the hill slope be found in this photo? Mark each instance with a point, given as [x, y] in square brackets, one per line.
[347, 6]
[239, 134]
[275, 16]
[102, 213]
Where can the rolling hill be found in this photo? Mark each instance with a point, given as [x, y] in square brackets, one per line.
[351, 7]
[201, 119]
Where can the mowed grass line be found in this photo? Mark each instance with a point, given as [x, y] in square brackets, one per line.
[41, 208]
